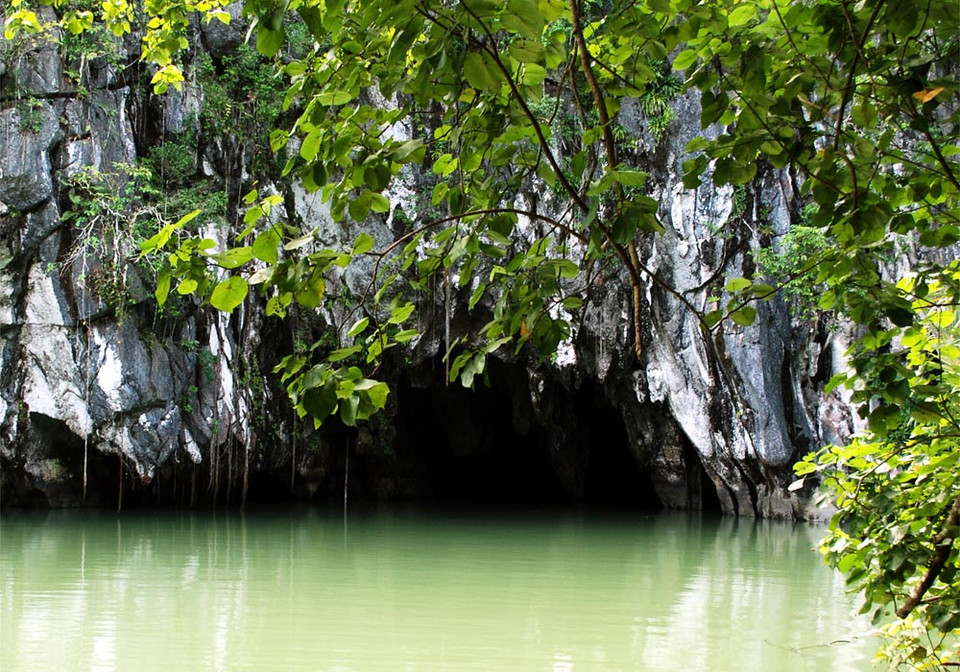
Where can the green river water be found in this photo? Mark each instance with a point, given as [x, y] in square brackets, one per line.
[412, 590]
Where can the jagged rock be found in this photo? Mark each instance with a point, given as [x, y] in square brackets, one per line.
[221, 38]
[32, 65]
[28, 131]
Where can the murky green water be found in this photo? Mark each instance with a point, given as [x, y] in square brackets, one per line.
[418, 591]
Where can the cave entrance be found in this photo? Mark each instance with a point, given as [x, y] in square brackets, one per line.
[486, 447]
[481, 446]
[63, 461]
[612, 477]
[703, 487]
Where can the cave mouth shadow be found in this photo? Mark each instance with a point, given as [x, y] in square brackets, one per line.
[486, 448]
[613, 478]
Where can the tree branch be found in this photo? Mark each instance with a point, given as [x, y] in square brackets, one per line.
[942, 544]
[630, 257]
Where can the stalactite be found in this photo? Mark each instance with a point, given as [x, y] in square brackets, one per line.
[246, 472]
[293, 457]
[346, 477]
[230, 475]
[119, 481]
[213, 489]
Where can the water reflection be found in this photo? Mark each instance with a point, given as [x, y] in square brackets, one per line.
[403, 591]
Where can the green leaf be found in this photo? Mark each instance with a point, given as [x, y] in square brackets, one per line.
[229, 294]
[269, 41]
[526, 51]
[277, 305]
[186, 286]
[310, 145]
[348, 410]
[363, 244]
[343, 353]
[321, 402]
[523, 17]
[477, 295]
[902, 16]
[359, 208]
[411, 151]
[379, 203]
[472, 368]
[737, 285]
[630, 178]
[712, 107]
[315, 377]
[712, 318]
[310, 295]
[624, 227]
[685, 59]
[400, 313]
[552, 9]
[377, 394]
[297, 243]
[484, 9]
[158, 241]
[744, 316]
[899, 315]
[482, 73]
[406, 335]
[233, 258]
[266, 245]
[163, 286]
[567, 268]
[743, 14]
[335, 97]
[358, 326]
[730, 171]
[693, 168]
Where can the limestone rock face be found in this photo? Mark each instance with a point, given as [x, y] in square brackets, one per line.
[103, 397]
[25, 170]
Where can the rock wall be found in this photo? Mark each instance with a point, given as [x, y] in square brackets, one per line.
[101, 401]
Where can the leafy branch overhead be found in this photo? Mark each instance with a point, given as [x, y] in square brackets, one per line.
[484, 100]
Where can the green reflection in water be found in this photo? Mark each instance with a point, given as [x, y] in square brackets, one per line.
[419, 591]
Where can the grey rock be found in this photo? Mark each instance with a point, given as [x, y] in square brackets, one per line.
[221, 38]
[32, 65]
[27, 133]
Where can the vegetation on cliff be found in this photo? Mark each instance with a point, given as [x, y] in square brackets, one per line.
[857, 100]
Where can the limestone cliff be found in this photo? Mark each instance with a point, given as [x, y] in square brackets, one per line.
[102, 396]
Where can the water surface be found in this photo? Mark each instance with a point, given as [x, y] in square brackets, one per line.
[415, 591]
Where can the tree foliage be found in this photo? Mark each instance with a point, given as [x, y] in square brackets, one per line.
[897, 487]
[858, 99]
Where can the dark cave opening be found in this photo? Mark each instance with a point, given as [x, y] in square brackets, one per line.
[63, 474]
[705, 488]
[612, 478]
[473, 447]
[486, 447]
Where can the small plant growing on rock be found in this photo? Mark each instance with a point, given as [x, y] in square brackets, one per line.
[111, 215]
[655, 100]
[789, 264]
[31, 115]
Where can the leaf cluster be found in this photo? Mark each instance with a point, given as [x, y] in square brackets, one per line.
[898, 488]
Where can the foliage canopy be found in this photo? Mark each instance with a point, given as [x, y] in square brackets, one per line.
[858, 99]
